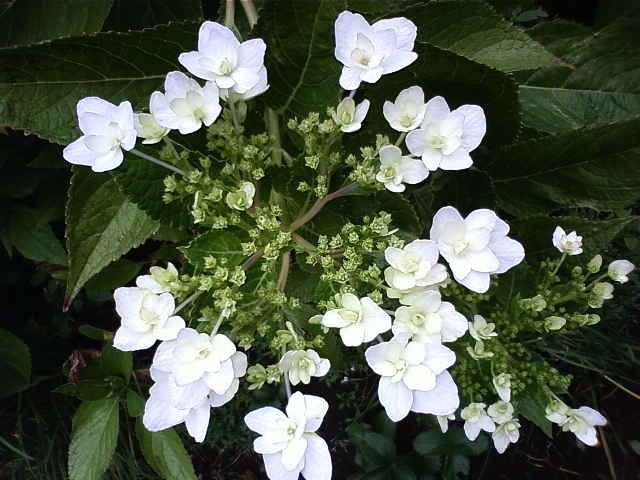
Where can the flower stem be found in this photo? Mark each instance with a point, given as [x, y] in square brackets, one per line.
[352, 93]
[187, 301]
[234, 115]
[151, 159]
[302, 242]
[250, 12]
[285, 262]
[230, 13]
[560, 262]
[319, 205]
[221, 318]
[401, 137]
[252, 259]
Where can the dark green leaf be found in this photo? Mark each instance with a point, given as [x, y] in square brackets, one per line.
[165, 453]
[531, 405]
[373, 449]
[135, 404]
[89, 389]
[114, 275]
[102, 225]
[40, 85]
[95, 333]
[454, 441]
[555, 110]
[30, 21]
[33, 237]
[560, 37]
[225, 246]
[115, 362]
[138, 14]
[592, 167]
[93, 439]
[15, 364]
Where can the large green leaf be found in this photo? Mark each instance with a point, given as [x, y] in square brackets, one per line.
[303, 72]
[33, 237]
[102, 225]
[93, 438]
[475, 31]
[15, 364]
[223, 245]
[137, 14]
[29, 21]
[554, 110]
[165, 453]
[531, 405]
[593, 167]
[40, 85]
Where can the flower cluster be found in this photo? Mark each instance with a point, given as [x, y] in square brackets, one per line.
[440, 339]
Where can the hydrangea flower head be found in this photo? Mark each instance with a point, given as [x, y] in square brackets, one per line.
[107, 130]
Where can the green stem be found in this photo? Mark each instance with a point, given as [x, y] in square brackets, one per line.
[560, 262]
[273, 128]
[230, 13]
[401, 137]
[216, 327]
[151, 159]
[281, 284]
[250, 12]
[234, 115]
[319, 205]
[302, 242]
[187, 301]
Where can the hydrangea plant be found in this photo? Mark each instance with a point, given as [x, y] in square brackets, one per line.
[427, 313]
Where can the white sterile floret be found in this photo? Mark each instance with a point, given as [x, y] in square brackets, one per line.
[415, 265]
[185, 105]
[413, 377]
[349, 116]
[223, 60]
[475, 420]
[159, 279]
[148, 129]
[170, 404]
[145, 317]
[476, 246]
[571, 243]
[429, 319]
[480, 329]
[619, 270]
[579, 421]
[193, 356]
[443, 421]
[370, 51]
[107, 130]
[301, 365]
[502, 384]
[288, 442]
[600, 292]
[258, 89]
[445, 138]
[407, 112]
[242, 198]
[397, 169]
[508, 432]
[359, 320]
[500, 411]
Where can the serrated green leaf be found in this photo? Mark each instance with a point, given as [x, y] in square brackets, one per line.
[224, 245]
[30, 21]
[475, 31]
[15, 364]
[165, 453]
[554, 110]
[135, 404]
[102, 225]
[33, 237]
[40, 85]
[560, 37]
[114, 275]
[90, 389]
[531, 405]
[114, 362]
[138, 14]
[593, 167]
[373, 449]
[93, 438]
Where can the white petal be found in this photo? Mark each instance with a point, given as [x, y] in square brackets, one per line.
[374, 318]
[416, 142]
[159, 415]
[475, 126]
[438, 357]
[275, 469]
[376, 357]
[592, 416]
[443, 399]
[222, 346]
[398, 60]
[352, 335]
[315, 410]
[454, 324]
[251, 53]
[333, 319]
[419, 377]
[458, 160]
[127, 340]
[108, 161]
[170, 329]
[264, 445]
[436, 110]
[396, 398]
[317, 460]
[263, 419]
[590, 437]
[294, 453]
[350, 78]
[476, 281]
[509, 253]
[218, 400]
[77, 153]
[471, 430]
[404, 29]
[197, 421]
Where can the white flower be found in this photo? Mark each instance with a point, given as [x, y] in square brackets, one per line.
[148, 128]
[413, 377]
[501, 411]
[301, 365]
[258, 89]
[159, 279]
[370, 51]
[222, 59]
[571, 243]
[556, 412]
[242, 198]
[445, 138]
[479, 351]
[145, 317]
[594, 264]
[429, 319]
[619, 270]
[407, 112]
[476, 246]
[107, 130]
[288, 441]
[554, 322]
[502, 384]
[396, 169]
[359, 320]
[582, 422]
[349, 116]
[170, 404]
[475, 420]
[415, 265]
[508, 432]
[443, 421]
[480, 329]
[193, 356]
[600, 292]
[185, 105]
